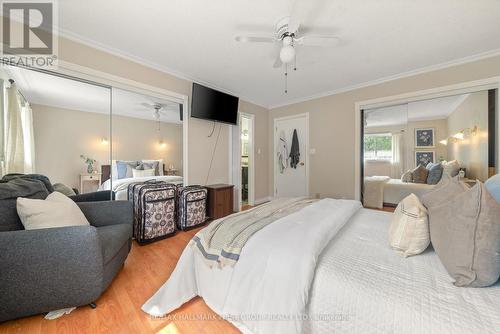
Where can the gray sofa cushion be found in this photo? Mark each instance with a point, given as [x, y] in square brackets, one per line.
[435, 172]
[465, 234]
[112, 238]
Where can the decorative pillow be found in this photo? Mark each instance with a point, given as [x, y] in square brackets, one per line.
[435, 172]
[409, 230]
[143, 172]
[64, 189]
[493, 186]
[158, 168]
[149, 165]
[451, 168]
[57, 210]
[465, 233]
[443, 192]
[419, 174]
[407, 177]
[124, 168]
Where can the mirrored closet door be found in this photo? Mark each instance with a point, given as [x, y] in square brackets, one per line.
[409, 148]
[55, 126]
[146, 141]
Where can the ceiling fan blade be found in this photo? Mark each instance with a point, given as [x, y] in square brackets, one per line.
[147, 105]
[255, 39]
[277, 62]
[318, 40]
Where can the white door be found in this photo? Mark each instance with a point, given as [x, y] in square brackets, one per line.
[290, 181]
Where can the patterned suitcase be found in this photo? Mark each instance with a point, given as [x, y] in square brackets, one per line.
[154, 210]
[191, 206]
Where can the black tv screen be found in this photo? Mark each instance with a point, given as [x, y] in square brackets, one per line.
[213, 105]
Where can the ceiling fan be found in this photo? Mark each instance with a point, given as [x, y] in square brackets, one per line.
[290, 33]
[159, 109]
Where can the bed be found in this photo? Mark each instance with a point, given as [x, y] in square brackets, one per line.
[380, 191]
[396, 190]
[120, 186]
[356, 284]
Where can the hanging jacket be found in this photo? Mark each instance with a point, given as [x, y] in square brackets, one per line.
[294, 151]
[282, 153]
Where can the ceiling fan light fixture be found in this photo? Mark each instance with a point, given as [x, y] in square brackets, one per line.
[287, 54]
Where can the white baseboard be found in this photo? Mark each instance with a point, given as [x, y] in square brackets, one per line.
[262, 200]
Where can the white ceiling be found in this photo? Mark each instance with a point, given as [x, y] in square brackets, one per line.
[194, 39]
[41, 88]
[424, 110]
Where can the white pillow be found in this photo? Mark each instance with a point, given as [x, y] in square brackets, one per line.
[451, 168]
[409, 230]
[57, 210]
[143, 172]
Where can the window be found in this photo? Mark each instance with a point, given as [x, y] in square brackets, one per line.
[378, 146]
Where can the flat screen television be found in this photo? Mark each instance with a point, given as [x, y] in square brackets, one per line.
[209, 104]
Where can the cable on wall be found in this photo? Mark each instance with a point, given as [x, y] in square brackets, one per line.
[213, 152]
[211, 133]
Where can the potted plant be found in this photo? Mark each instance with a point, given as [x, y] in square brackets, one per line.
[89, 162]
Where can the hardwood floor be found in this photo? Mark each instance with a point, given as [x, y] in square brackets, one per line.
[119, 308]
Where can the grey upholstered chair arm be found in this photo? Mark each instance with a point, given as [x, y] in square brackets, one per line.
[47, 269]
[107, 213]
[98, 196]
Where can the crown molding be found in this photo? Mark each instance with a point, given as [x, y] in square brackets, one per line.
[422, 70]
[136, 59]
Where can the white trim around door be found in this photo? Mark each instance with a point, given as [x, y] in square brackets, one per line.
[251, 157]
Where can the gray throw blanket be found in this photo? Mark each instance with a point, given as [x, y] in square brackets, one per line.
[22, 187]
[221, 242]
[295, 150]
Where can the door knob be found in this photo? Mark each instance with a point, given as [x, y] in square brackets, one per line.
[301, 163]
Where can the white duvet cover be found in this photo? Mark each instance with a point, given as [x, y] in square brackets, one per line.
[267, 289]
[120, 186]
[359, 284]
[363, 286]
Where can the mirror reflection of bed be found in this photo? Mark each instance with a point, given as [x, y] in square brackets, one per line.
[409, 148]
[147, 142]
[67, 133]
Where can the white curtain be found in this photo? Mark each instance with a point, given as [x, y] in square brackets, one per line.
[29, 138]
[397, 165]
[14, 141]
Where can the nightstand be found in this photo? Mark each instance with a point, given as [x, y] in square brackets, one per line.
[220, 200]
[170, 172]
[94, 178]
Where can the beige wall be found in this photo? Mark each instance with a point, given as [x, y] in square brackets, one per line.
[472, 152]
[332, 123]
[200, 147]
[61, 135]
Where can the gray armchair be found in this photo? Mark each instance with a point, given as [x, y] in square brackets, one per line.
[49, 269]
